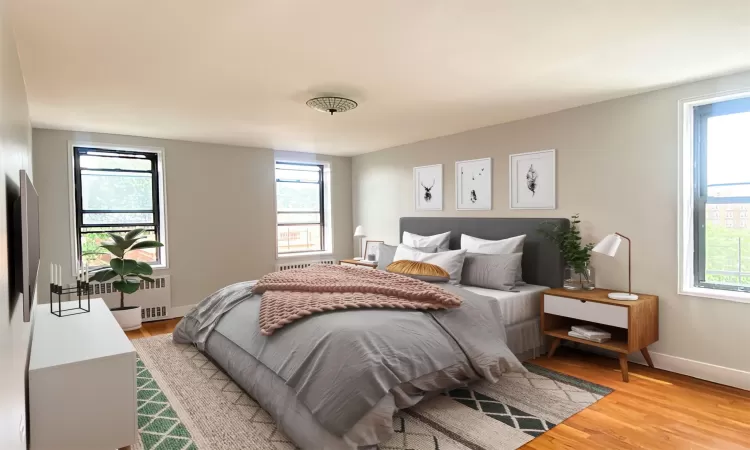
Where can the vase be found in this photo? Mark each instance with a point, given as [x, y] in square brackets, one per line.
[579, 279]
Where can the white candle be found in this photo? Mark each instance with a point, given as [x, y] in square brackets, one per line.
[51, 273]
[87, 272]
[59, 275]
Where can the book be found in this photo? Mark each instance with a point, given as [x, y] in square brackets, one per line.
[592, 339]
[590, 331]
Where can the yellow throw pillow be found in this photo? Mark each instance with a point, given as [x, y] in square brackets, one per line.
[419, 270]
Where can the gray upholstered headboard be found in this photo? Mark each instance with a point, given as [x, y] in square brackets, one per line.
[542, 262]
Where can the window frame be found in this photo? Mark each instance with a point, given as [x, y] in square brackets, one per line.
[159, 200]
[323, 213]
[693, 196]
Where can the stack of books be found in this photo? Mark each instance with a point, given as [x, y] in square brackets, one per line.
[590, 333]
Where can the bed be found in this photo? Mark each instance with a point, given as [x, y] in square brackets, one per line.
[542, 265]
[391, 359]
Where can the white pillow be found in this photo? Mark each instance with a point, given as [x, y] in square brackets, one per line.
[439, 240]
[452, 261]
[503, 246]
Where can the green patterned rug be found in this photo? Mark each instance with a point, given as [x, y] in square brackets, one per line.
[159, 426]
[187, 403]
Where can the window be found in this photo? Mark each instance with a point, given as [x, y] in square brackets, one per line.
[721, 151]
[714, 214]
[117, 191]
[300, 208]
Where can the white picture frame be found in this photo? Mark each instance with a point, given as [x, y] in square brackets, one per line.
[533, 179]
[474, 184]
[428, 188]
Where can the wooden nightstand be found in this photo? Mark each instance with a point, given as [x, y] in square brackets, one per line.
[634, 325]
[358, 262]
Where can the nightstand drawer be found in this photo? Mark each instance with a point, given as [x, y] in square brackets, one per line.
[617, 316]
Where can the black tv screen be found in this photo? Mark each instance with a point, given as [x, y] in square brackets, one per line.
[29, 243]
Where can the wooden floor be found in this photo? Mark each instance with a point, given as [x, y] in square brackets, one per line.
[656, 410]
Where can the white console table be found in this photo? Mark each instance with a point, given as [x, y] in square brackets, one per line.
[82, 388]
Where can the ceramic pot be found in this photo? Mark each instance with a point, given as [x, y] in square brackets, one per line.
[129, 317]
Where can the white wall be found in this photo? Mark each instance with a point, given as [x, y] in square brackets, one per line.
[15, 154]
[221, 222]
[617, 165]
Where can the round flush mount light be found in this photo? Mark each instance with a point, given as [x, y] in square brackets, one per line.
[331, 104]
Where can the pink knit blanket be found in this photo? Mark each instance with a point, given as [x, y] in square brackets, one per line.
[290, 295]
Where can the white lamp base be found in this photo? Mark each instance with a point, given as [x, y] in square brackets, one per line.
[622, 296]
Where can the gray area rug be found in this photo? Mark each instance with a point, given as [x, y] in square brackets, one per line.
[179, 389]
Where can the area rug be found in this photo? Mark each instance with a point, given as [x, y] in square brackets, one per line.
[186, 403]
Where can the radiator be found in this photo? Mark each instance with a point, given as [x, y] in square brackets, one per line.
[155, 299]
[303, 264]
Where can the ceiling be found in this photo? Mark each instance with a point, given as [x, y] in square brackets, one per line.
[240, 71]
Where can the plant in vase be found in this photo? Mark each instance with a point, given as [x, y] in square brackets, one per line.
[129, 271]
[579, 274]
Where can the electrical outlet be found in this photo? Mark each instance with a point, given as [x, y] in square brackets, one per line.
[22, 429]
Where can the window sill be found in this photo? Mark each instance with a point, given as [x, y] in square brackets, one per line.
[717, 294]
[303, 255]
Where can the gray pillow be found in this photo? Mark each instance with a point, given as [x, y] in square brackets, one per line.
[386, 253]
[427, 278]
[491, 271]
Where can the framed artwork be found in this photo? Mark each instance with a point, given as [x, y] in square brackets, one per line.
[372, 248]
[428, 187]
[532, 180]
[474, 184]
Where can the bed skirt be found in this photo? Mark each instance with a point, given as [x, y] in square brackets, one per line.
[525, 339]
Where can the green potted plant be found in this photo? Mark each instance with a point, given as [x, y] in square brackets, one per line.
[578, 273]
[129, 271]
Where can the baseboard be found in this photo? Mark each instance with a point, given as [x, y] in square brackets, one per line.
[696, 369]
[180, 311]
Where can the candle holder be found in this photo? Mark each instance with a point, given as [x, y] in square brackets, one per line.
[81, 289]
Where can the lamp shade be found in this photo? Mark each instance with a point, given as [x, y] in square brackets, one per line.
[359, 232]
[608, 246]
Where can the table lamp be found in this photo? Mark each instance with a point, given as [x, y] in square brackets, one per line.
[608, 246]
[359, 232]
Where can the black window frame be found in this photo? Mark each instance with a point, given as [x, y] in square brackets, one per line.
[321, 192]
[701, 114]
[156, 224]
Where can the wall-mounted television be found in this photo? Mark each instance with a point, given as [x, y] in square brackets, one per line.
[29, 228]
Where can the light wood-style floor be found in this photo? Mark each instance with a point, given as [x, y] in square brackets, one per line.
[656, 410]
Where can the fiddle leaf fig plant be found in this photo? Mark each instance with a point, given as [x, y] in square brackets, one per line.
[129, 271]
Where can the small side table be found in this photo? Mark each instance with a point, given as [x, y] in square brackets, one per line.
[359, 262]
[634, 325]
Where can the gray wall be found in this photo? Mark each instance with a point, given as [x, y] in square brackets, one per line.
[617, 165]
[15, 154]
[221, 221]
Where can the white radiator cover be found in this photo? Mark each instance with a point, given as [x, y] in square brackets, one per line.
[302, 264]
[155, 299]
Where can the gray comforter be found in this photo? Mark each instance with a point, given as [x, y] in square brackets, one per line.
[340, 364]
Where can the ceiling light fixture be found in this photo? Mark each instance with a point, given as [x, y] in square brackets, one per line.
[331, 104]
